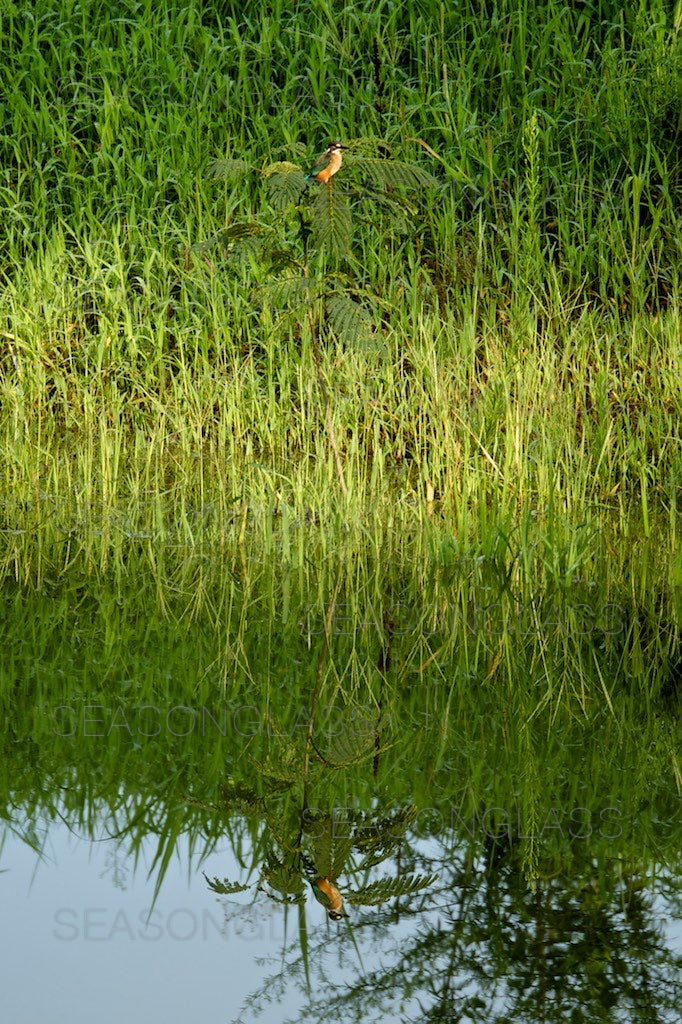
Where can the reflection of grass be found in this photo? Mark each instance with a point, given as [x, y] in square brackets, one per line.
[528, 347]
[186, 684]
[500, 760]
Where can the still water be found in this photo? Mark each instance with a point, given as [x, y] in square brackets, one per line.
[240, 791]
[82, 910]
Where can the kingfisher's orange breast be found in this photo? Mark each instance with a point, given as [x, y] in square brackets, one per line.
[332, 167]
[333, 898]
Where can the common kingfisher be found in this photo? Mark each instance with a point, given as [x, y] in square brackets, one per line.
[334, 157]
[328, 895]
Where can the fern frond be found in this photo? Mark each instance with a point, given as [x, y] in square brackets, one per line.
[284, 184]
[331, 219]
[347, 318]
[236, 795]
[349, 747]
[387, 888]
[283, 878]
[224, 888]
[343, 847]
[244, 229]
[228, 170]
[290, 291]
[332, 844]
[241, 232]
[282, 259]
[283, 770]
[383, 834]
[322, 851]
[393, 172]
[280, 167]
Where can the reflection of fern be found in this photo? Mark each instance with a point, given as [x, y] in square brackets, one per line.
[331, 853]
[348, 747]
[385, 834]
[283, 877]
[236, 797]
[284, 771]
[224, 888]
[334, 838]
[387, 888]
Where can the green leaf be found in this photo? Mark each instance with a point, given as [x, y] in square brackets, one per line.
[386, 888]
[224, 888]
[234, 796]
[167, 846]
[281, 167]
[282, 259]
[284, 184]
[332, 843]
[235, 233]
[379, 835]
[284, 769]
[245, 229]
[343, 847]
[331, 219]
[228, 170]
[290, 291]
[283, 879]
[393, 172]
[347, 318]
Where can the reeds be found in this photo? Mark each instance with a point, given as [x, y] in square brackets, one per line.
[525, 349]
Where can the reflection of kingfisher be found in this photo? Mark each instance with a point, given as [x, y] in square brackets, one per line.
[326, 893]
[333, 157]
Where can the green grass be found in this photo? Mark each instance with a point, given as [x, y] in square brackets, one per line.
[525, 351]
